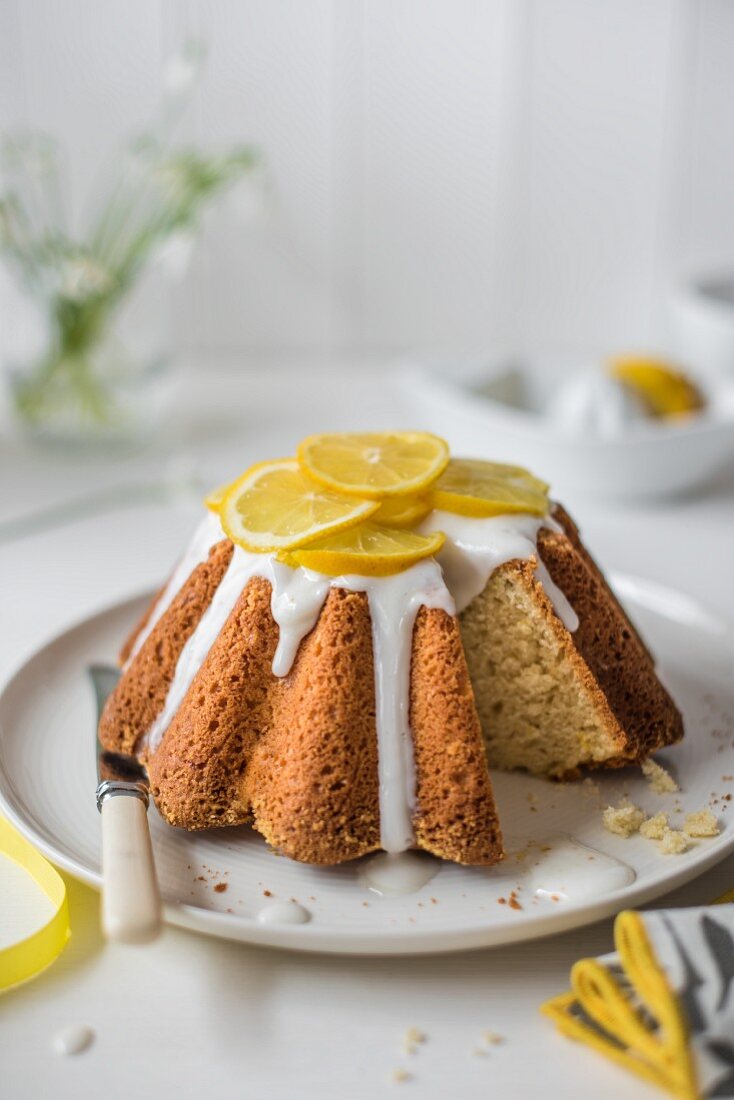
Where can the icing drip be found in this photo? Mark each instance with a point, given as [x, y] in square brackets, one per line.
[207, 534]
[296, 602]
[472, 551]
[394, 603]
[298, 596]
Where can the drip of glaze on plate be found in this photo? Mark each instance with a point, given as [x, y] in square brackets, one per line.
[394, 876]
[572, 871]
[474, 548]
[283, 912]
[72, 1040]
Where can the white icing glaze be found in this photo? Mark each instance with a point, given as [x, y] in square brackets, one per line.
[298, 596]
[474, 548]
[472, 551]
[573, 871]
[73, 1039]
[394, 603]
[296, 601]
[396, 875]
[283, 912]
[206, 535]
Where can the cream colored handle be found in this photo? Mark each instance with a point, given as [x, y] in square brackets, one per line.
[131, 903]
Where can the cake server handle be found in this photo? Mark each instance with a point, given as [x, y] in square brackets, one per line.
[131, 903]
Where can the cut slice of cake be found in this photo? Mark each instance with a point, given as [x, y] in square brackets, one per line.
[550, 700]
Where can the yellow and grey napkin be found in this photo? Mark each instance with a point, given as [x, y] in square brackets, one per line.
[662, 1004]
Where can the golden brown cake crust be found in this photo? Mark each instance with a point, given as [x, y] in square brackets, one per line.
[611, 647]
[312, 780]
[456, 817]
[299, 753]
[129, 644]
[141, 692]
[197, 771]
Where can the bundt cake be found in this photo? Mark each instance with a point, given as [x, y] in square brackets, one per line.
[353, 636]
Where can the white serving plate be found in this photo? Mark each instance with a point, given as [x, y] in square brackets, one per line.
[468, 398]
[47, 783]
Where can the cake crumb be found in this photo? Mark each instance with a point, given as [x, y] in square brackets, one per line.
[659, 781]
[401, 1075]
[673, 842]
[655, 826]
[703, 823]
[624, 819]
[492, 1038]
[412, 1039]
[267, 893]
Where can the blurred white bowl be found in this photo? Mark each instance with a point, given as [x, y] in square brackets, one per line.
[492, 407]
[703, 322]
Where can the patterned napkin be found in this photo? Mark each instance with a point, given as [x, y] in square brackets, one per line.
[662, 1004]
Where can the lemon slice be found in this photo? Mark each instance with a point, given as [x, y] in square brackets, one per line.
[374, 464]
[665, 391]
[471, 487]
[370, 550]
[215, 498]
[274, 506]
[402, 511]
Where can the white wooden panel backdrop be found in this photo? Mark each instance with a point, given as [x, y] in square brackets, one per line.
[524, 171]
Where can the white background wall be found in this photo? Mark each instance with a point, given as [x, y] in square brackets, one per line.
[525, 171]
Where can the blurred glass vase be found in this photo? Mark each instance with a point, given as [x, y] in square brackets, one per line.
[97, 371]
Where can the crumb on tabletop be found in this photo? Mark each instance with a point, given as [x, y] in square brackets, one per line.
[655, 826]
[624, 819]
[412, 1039]
[493, 1038]
[659, 780]
[701, 824]
[400, 1075]
[673, 842]
[220, 887]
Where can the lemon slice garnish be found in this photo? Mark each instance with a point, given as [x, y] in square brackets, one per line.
[402, 511]
[274, 506]
[370, 550]
[665, 391]
[471, 487]
[374, 464]
[215, 498]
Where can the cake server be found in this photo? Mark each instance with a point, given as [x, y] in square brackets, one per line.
[131, 903]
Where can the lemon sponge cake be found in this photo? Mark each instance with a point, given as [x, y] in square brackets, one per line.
[356, 635]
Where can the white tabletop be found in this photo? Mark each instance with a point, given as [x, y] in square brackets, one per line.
[192, 1016]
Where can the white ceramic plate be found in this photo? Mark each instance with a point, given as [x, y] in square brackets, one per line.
[47, 782]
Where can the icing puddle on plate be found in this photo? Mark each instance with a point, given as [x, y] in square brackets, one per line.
[558, 868]
[283, 912]
[561, 868]
[394, 876]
